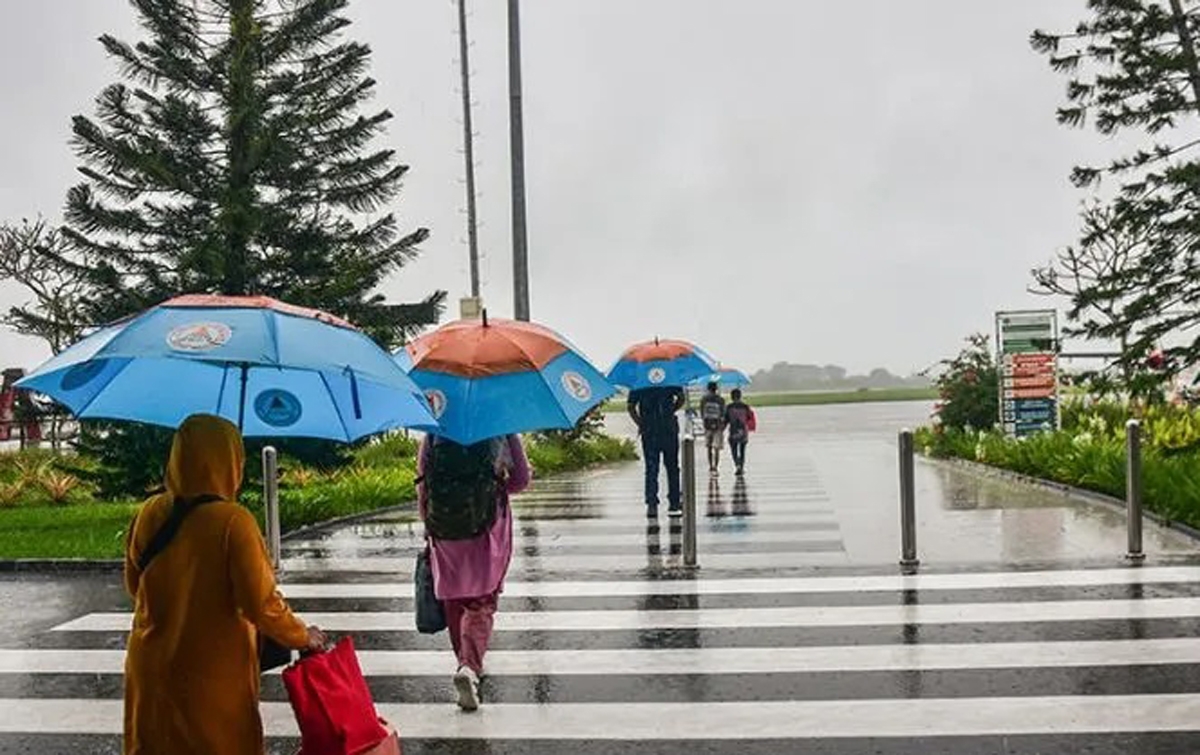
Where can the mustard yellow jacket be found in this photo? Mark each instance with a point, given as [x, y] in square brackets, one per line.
[191, 669]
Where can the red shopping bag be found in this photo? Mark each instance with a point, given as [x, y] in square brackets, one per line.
[332, 703]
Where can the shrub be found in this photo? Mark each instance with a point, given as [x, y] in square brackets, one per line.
[11, 493]
[59, 486]
[551, 455]
[386, 451]
[968, 387]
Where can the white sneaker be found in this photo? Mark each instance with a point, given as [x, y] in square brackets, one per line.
[467, 684]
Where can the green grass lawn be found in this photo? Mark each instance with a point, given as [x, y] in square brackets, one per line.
[91, 531]
[822, 398]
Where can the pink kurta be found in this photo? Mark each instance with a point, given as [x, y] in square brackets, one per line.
[476, 568]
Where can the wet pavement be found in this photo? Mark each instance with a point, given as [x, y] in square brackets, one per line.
[1025, 631]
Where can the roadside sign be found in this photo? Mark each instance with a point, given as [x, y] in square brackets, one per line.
[1027, 342]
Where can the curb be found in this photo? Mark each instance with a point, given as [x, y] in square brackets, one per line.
[328, 524]
[1067, 491]
[60, 566]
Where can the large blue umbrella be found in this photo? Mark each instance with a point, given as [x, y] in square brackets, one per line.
[661, 363]
[274, 369]
[489, 378]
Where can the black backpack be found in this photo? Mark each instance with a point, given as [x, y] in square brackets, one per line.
[462, 489]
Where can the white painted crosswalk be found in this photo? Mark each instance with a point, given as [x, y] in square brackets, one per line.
[734, 618]
[793, 660]
[597, 652]
[1117, 646]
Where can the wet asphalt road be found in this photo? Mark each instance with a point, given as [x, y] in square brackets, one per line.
[1024, 633]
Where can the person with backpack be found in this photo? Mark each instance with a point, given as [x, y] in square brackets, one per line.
[740, 420]
[462, 497]
[653, 411]
[205, 603]
[712, 413]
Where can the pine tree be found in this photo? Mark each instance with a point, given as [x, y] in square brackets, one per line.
[1133, 70]
[1084, 274]
[233, 158]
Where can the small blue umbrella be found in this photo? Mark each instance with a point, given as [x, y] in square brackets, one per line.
[660, 364]
[487, 378]
[726, 377]
[274, 369]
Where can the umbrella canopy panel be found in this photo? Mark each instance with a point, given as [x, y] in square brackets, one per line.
[502, 377]
[662, 363]
[275, 369]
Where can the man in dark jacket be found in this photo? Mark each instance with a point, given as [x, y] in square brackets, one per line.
[653, 410]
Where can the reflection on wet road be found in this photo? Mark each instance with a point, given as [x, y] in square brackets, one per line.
[797, 633]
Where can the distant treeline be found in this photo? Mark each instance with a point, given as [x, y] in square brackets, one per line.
[810, 377]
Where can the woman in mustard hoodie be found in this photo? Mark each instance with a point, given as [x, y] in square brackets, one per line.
[191, 669]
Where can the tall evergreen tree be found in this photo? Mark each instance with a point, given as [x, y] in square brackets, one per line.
[1084, 275]
[234, 158]
[1133, 70]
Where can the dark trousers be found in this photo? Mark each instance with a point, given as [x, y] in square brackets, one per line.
[738, 449]
[664, 446]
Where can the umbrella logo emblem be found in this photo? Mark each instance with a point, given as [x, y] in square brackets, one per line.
[577, 385]
[657, 375]
[437, 402]
[277, 408]
[199, 336]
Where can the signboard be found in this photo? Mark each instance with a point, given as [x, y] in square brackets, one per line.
[1028, 359]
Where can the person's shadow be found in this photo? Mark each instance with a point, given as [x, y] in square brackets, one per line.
[716, 503]
[654, 560]
[741, 498]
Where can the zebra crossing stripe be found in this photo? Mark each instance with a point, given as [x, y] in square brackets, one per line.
[928, 717]
[822, 553]
[714, 618]
[706, 661]
[565, 540]
[778, 585]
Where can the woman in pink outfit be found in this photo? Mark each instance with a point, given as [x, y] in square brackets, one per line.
[468, 575]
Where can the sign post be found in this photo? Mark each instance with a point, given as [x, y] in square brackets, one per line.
[1027, 342]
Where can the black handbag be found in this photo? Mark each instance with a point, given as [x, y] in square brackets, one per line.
[431, 618]
[271, 654]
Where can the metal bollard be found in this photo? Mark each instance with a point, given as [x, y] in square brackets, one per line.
[689, 499]
[270, 463]
[1133, 489]
[908, 503]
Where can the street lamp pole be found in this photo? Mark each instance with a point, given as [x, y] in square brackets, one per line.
[468, 147]
[517, 153]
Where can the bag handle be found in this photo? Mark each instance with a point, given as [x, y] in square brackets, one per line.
[180, 508]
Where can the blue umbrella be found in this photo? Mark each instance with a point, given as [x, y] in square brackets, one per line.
[490, 378]
[726, 377]
[659, 363]
[274, 369]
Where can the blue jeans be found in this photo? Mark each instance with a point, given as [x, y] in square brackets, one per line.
[737, 447]
[666, 446]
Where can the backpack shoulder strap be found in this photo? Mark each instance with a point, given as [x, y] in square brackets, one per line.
[180, 508]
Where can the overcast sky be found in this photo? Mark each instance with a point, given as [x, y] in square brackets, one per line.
[861, 183]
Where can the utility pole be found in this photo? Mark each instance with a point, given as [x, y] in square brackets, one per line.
[468, 148]
[517, 152]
